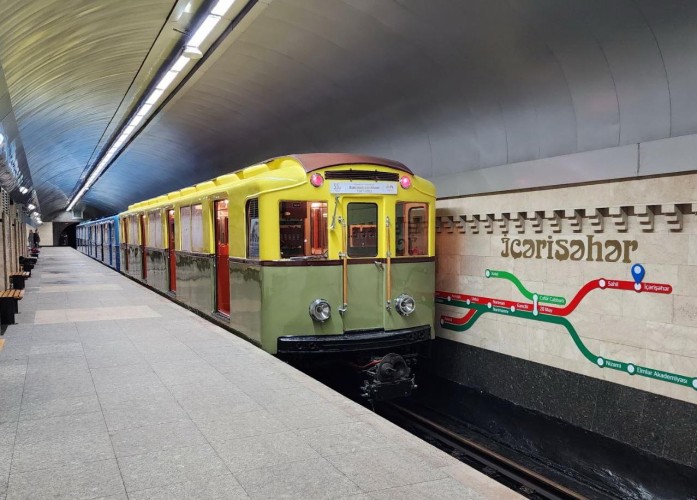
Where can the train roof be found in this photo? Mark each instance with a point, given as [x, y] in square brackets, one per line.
[316, 161]
[308, 161]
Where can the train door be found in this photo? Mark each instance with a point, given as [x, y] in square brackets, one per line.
[172, 255]
[100, 240]
[126, 242]
[110, 242]
[222, 295]
[364, 277]
[143, 253]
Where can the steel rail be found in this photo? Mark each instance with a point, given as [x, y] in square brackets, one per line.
[540, 484]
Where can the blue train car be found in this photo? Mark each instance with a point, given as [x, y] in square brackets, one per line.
[99, 239]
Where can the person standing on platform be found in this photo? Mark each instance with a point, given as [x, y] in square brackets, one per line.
[37, 239]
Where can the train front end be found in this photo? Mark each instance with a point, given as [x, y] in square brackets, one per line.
[352, 275]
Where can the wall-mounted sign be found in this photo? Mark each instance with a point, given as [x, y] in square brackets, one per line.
[574, 249]
[379, 187]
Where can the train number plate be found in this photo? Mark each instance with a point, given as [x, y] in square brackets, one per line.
[376, 187]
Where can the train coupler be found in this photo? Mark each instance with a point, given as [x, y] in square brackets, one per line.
[388, 378]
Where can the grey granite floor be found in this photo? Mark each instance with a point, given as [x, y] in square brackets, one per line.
[144, 399]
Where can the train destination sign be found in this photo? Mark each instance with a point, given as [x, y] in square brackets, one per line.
[378, 187]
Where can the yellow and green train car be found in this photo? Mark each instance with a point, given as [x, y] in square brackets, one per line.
[305, 255]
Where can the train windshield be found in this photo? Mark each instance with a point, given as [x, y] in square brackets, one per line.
[362, 229]
[411, 230]
[303, 229]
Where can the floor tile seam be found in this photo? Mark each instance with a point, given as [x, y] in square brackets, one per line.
[405, 447]
[256, 410]
[106, 426]
[327, 455]
[32, 419]
[169, 448]
[76, 463]
[290, 462]
[210, 445]
[63, 466]
[473, 490]
[128, 493]
[129, 428]
[253, 436]
[57, 439]
[273, 409]
[14, 441]
[52, 397]
[341, 473]
[269, 407]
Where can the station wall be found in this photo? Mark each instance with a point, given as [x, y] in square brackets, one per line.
[538, 304]
[13, 240]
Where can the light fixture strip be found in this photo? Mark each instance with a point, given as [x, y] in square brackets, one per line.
[203, 31]
[199, 36]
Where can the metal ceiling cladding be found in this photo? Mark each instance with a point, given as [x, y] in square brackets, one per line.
[442, 86]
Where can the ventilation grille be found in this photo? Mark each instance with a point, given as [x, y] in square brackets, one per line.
[5, 201]
[361, 175]
[253, 208]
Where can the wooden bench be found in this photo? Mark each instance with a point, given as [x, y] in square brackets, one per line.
[27, 263]
[9, 300]
[17, 279]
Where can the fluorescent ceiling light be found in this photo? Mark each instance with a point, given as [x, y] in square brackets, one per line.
[31, 206]
[23, 190]
[166, 80]
[179, 65]
[128, 130]
[154, 96]
[222, 7]
[144, 109]
[203, 31]
[2, 139]
[136, 120]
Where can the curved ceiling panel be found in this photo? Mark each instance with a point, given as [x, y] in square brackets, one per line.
[68, 64]
[443, 86]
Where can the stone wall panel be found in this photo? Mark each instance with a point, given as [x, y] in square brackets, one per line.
[652, 222]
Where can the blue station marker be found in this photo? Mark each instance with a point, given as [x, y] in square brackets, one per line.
[638, 273]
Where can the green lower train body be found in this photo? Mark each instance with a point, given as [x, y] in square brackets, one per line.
[269, 301]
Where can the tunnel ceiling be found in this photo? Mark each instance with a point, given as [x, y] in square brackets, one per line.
[444, 86]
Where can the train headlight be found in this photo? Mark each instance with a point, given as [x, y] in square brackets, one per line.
[320, 310]
[405, 304]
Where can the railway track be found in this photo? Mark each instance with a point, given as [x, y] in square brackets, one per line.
[523, 480]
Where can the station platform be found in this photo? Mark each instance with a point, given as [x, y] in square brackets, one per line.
[109, 390]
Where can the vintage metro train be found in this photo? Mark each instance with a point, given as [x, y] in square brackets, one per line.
[308, 256]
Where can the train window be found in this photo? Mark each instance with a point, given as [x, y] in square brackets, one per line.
[197, 228]
[221, 222]
[252, 215]
[133, 229]
[362, 229]
[155, 229]
[411, 229]
[303, 228]
[185, 218]
[124, 229]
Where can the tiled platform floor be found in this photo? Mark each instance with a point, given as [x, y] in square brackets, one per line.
[108, 390]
